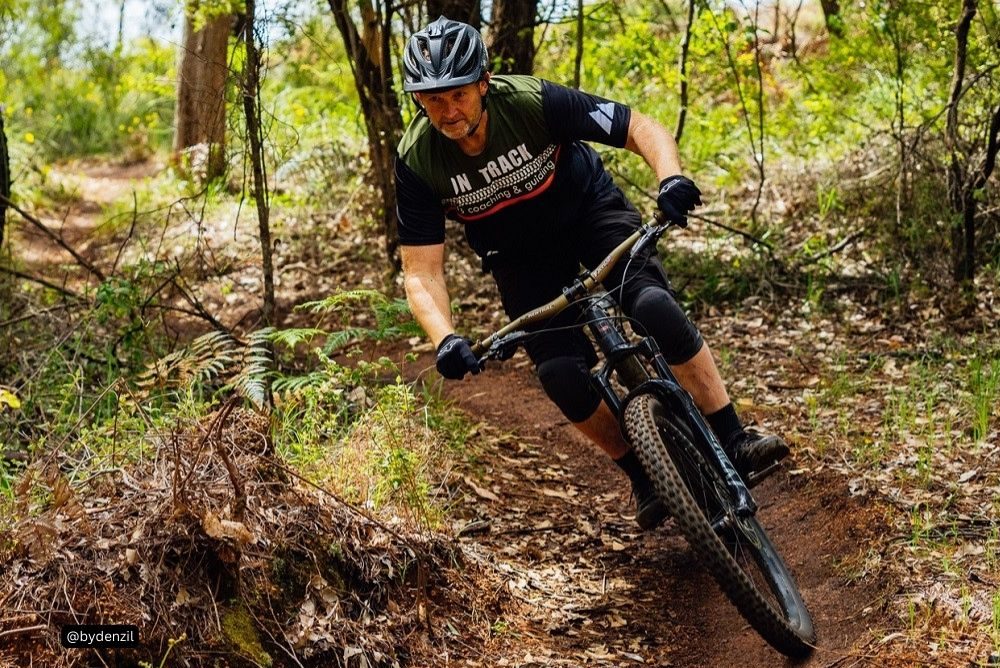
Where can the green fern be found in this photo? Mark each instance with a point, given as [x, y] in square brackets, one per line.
[338, 302]
[253, 380]
[290, 338]
[205, 358]
[296, 384]
[392, 317]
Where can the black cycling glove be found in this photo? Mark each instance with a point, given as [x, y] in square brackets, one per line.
[678, 195]
[455, 358]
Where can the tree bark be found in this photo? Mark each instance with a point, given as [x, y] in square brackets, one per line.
[456, 10]
[831, 14]
[251, 109]
[960, 189]
[578, 63]
[369, 52]
[4, 177]
[200, 115]
[512, 37]
[685, 50]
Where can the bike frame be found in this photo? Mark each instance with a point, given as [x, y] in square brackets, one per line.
[619, 354]
[640, 366]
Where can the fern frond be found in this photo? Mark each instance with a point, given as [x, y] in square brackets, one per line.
[343, 299]
[256, 368]
[338, 340]
[290, 338]
[295, 384]
[206, 357]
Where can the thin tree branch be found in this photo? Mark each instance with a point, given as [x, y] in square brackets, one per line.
[41, 281]
[82, 261]
[841, 245]
[685, 48]
[201, 311]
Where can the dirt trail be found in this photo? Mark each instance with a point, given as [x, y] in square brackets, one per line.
[553, 515]
[89, 189]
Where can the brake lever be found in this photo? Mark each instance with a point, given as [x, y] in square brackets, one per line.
[505, 347]
[653, 232]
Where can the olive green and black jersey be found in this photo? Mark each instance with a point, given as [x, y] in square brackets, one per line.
[532, 181]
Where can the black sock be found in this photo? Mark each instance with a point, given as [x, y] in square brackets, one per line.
[725, 423]
[633, 469]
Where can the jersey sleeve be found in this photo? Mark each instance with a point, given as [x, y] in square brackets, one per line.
[572, 114]
[420, 214]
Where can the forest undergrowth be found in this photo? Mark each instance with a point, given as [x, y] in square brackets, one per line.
[148, 477]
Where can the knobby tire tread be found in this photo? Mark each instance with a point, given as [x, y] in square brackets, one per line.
[655, 457]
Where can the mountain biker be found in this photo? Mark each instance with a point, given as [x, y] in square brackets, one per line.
[505, 156]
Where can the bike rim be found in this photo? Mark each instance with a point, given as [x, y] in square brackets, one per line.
[744, 538]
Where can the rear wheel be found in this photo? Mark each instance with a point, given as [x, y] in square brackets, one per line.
[736, 550]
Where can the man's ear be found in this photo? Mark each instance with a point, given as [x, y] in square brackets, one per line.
[419, 97]
[484, 83]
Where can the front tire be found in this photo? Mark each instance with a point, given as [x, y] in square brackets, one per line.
[737, 551]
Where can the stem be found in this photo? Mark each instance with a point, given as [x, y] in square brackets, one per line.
[251, 108]
[685, 48]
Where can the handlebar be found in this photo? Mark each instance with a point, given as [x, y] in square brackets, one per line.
[583, 285]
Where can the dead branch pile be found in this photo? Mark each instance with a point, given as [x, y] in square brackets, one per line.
[221, 556]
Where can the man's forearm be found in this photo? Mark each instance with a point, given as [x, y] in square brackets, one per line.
[652, 141]
[430, 304]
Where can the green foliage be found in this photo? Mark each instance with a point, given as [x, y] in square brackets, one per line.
[392, 317]
[101, 101]
[202, 12]
[984, 392]
[252, 381]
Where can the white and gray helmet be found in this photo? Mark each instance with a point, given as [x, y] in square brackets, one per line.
[445, 54]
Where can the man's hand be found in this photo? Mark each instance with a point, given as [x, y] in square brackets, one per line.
[678, 195]
[455, 358]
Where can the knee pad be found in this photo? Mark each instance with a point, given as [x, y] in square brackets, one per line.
[567, 382]
[662, 318]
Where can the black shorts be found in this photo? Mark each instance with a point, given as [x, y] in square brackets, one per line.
[526, 283]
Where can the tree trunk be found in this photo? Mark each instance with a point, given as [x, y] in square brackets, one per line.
[578, 63]
[683, 69]
[960, 187]
[4, 177]
[456, 10]
[512, 37]
[202, 71]
[251, 109]
[369, 53]
[831, 13]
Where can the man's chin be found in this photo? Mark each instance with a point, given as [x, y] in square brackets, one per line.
[454, 132]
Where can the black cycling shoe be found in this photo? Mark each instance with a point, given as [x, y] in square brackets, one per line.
[649, 510]
[756, 455]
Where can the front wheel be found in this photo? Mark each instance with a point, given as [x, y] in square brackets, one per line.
[736, 550]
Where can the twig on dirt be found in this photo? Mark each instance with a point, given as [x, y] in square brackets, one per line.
[41, 281]
[521, 532]
[131, 230]
[349, 506]
[33, 314]
[220, 449]
[844, 243]
[24, 629]
[197, 306]
[82, 261]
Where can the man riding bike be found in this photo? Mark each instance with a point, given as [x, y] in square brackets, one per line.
[505, 156]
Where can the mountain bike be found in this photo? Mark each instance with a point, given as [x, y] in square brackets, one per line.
[710, 503]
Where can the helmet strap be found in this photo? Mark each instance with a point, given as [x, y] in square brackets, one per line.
[482, 110]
